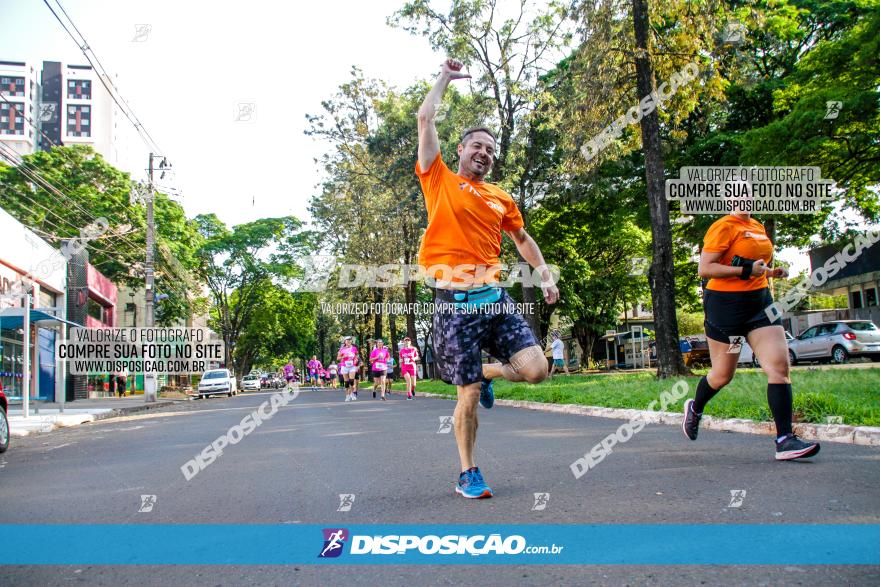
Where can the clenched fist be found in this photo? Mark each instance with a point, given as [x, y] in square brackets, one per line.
[452, 69]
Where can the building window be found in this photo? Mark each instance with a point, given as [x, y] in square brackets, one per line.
[11, 118]
[79, 120]
[79, 89]
[856, 299]
[97, 311]
[12, 86]
[870, 297]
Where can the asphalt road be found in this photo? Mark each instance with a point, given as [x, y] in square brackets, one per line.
[390, 455]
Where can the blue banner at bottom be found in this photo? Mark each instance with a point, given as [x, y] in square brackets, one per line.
[358, 544]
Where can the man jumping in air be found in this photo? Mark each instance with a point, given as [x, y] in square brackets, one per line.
[466, 217]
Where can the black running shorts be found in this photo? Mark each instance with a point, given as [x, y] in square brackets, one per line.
[736, 313]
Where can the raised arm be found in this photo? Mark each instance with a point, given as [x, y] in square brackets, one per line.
[429, 142]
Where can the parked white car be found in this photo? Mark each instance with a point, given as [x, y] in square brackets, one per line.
[250, 382]
[747, 355]
[217, 382]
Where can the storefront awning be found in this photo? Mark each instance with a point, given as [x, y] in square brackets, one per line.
[14, 318]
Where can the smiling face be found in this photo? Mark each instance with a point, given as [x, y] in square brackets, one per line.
[476, 155]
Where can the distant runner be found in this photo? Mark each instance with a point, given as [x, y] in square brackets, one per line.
[348, 358]
[288, 372]
[332, 373]
[314, 366]
[409, 356]
[379, 366]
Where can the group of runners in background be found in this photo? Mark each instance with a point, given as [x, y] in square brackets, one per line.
[347, 370]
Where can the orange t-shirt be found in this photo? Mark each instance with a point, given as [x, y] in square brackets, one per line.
[734, 236]
[465, 221]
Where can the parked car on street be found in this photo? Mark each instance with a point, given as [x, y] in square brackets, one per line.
[4, 422]
[217, 382]
[747, 356]
[250, 382]
[837, 341]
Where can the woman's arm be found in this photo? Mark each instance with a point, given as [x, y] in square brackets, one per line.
[711, 268]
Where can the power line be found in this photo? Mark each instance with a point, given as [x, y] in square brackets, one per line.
[50, 187]
[33, 175]
[102, 74]
[61, 194]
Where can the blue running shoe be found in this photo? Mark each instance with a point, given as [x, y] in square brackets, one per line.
[471, 485]
[487, 396]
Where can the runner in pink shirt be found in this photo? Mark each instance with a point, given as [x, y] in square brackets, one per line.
[314, 367]
[409, 356]
[379, 365]
[288, 372]
[348, 357]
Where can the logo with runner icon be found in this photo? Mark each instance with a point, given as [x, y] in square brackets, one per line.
[334, 540]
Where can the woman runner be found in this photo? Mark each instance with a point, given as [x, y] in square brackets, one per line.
[347, 357]
[379, 365]
[735, 257]
[409, 356]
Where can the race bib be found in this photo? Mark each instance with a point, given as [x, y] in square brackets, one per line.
[407, 361]
[379, 366]
[349, 363]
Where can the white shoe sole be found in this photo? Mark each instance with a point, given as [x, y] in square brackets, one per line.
[487, 493]
[790, 455]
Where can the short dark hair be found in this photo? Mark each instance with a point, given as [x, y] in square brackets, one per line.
[474, 129]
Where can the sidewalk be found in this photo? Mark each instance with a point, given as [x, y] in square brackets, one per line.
[861, 435]
[50, 416]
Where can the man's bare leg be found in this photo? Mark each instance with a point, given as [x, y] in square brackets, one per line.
[527, 365]
[466, 423]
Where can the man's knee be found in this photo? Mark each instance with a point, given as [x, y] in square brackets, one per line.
[468, 396]
[534, 373]
[530, 364]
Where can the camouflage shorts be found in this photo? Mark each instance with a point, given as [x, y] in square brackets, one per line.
[461, 335]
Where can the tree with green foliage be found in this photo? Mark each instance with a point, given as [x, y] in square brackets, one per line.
[59, 192]
[280, 326]
[236, 264]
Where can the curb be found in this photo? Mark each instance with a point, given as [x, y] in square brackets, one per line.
[860, 435]
[116, 412]
[68, 420]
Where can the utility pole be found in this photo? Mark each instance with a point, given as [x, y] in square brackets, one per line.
[149, 378]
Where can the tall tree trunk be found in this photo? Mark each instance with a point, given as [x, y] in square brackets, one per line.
[322, 341]
[660, 275]
[392, 332]
[377, 317]
[409, 294]
[582, 335]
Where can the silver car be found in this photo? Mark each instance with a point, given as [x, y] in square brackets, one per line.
[747, 355]
[836, 341]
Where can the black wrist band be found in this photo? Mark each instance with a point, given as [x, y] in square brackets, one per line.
[747, 270]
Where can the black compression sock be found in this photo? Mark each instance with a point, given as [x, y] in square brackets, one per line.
[703, 395]
[779, 398]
